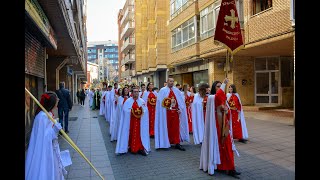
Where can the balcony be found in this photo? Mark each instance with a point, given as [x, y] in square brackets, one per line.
[128, 14]
[127, 73]
[127, 45]
[127, 30]
[129, 59]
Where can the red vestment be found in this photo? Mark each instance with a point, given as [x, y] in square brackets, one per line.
[173, 122]
[188, 101]
[124, 99]
[141, 94]
[135, 143]
[235, 106]
[152, 99]
[225, 148]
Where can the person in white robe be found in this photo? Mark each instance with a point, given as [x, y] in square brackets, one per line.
[102, 102]
[161, 136]
[107, 104]
[123, 142]
[150, 97]
[113, 106]
[198, 109]
[143, 90]
[91, 94]
[116, 114]
[43, 160]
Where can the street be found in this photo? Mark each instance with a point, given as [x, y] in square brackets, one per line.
[269, 153]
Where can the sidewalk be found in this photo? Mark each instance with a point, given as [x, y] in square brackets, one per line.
[86, 134]
[269, 153]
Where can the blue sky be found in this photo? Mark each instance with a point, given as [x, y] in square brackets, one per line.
[102, 19]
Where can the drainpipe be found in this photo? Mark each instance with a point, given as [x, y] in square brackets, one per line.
[294, 82]
[58, 69]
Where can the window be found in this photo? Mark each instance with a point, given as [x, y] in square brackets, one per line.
[292, 12]
[183, 35]
[176, 6]
[260, 5]
[208, 20]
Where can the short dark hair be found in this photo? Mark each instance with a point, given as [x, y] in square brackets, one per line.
[109, 86]
[155, 88]
[61, 84]
[177, 84]
[123, 91]
[115, 84]
[142, 85]
[213, 88]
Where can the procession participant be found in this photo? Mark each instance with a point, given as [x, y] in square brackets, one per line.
[107, 104]
[113, 105]
[91, 94]
[199, 106]
[150, 97]
[171, 122]
[238, 123]
[188, 99]
[115, 123]
[43, 160]
[143, 90]
[102, 101]
[133, 131]
[226, 146]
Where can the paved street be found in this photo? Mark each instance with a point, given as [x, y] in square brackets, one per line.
[269, 153]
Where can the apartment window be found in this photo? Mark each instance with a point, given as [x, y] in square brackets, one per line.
[292, 12]
[260, 5]
[176, 6]
[208, 20]
[183, 35]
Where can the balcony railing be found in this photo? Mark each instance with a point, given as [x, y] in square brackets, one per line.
[127, 30]
[128, 14]
[128, 72]
[128, 44]
[129, 59]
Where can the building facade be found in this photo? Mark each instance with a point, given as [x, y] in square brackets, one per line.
[105, 54]
[93, 73]
[126, 37]
[262, 71]
[54, 50]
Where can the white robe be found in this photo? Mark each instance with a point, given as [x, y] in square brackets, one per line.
[107, 107]
[141, 93]
[113, 110]
[43, 159]
[160, 127]
[124, 126]
[91, 94]
[114, 124]
[102, 104]
[242, 119]
[210, 155]
[197, 119]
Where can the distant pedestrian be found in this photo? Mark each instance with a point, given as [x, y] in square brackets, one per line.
[43, 160]
[82, 97]
[64, 106]
[78, 96]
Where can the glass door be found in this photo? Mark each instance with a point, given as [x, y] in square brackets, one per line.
[267, 78]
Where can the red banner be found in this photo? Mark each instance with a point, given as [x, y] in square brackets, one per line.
[228, 30]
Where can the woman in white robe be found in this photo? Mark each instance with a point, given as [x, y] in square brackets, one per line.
[43, 159]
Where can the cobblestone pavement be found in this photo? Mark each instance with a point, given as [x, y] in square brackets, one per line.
[269, 153]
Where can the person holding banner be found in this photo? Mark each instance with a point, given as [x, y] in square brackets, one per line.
[43, 159]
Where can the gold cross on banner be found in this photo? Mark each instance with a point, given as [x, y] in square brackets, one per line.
[231, 18]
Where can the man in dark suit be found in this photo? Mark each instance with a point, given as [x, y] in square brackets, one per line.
[64, 105]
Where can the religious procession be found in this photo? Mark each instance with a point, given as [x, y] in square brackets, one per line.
[175, 96]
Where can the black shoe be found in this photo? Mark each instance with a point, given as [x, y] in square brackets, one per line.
[67, 131]
[152, 136]
[142, 152]
[243, 140]
[233, 173]
[178, 146]
[236, 172]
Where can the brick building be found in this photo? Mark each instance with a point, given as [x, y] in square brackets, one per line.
[262, 72]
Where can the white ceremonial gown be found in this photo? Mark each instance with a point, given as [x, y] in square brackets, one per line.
[107, 107]
[91, 94]
[124, 126]
[146, 94]
[197, 119]
[43, 156]
[114, 124]
[102, 104]
[210, 155]
[160, 127]
[242, 119]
